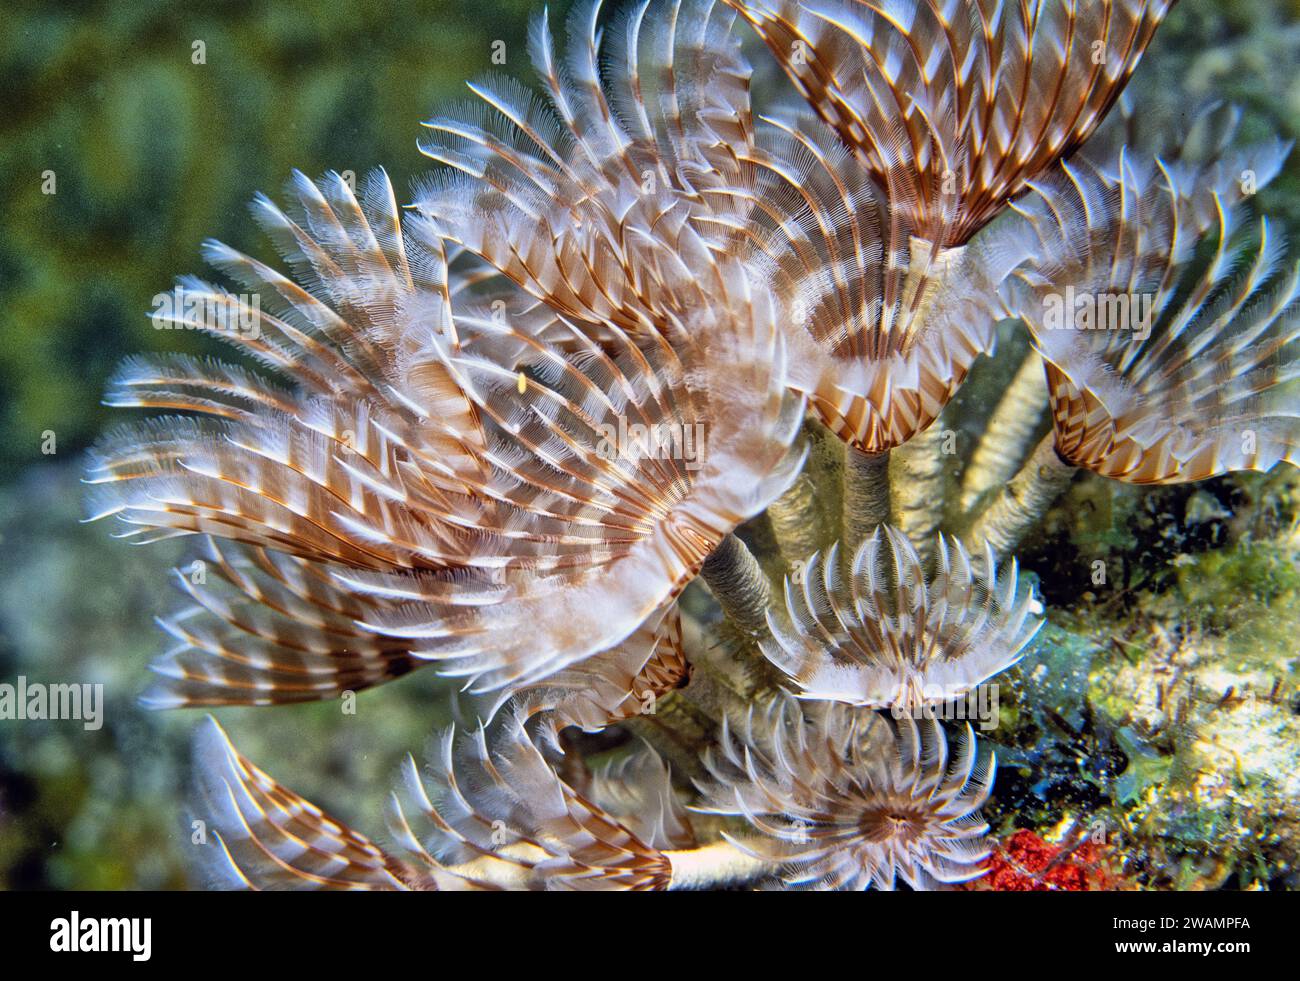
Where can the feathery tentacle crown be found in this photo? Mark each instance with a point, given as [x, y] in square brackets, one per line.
[948, 110]
[367, 460]
[883, 328]
[885, 636]
[845, 800]
[1162, 366]
[496, 815]
[262, 836]
[478, 465]
[502, 820]
[607, 200]
[341, 467]
[955, 108]
[625, 320]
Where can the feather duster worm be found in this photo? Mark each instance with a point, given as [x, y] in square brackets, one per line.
[885, 329]
[882, 328]
[523, 495]
[607, 201]
[498, 819]
[1219, 361]
[360, 462]
[840, 799]
[259, 835]
[887, 635]
[626, 317]
[494, 814]
[1161, 368]
[625, 527]
[956, 107]
[949, 111]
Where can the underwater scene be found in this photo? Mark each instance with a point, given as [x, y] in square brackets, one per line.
[667, 445]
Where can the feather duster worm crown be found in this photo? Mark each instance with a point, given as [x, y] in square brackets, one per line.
[437, 463]
[606, 200]
[495, 814]
[260, 835]
[487, 818]
[1162, 367]
[886, 635]
[359, 460]
[618, 311]
[843, 800]
[948, 112]
[627, 528]
[884, 327]
[956, 107]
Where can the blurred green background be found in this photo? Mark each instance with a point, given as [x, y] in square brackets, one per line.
[151, 153]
